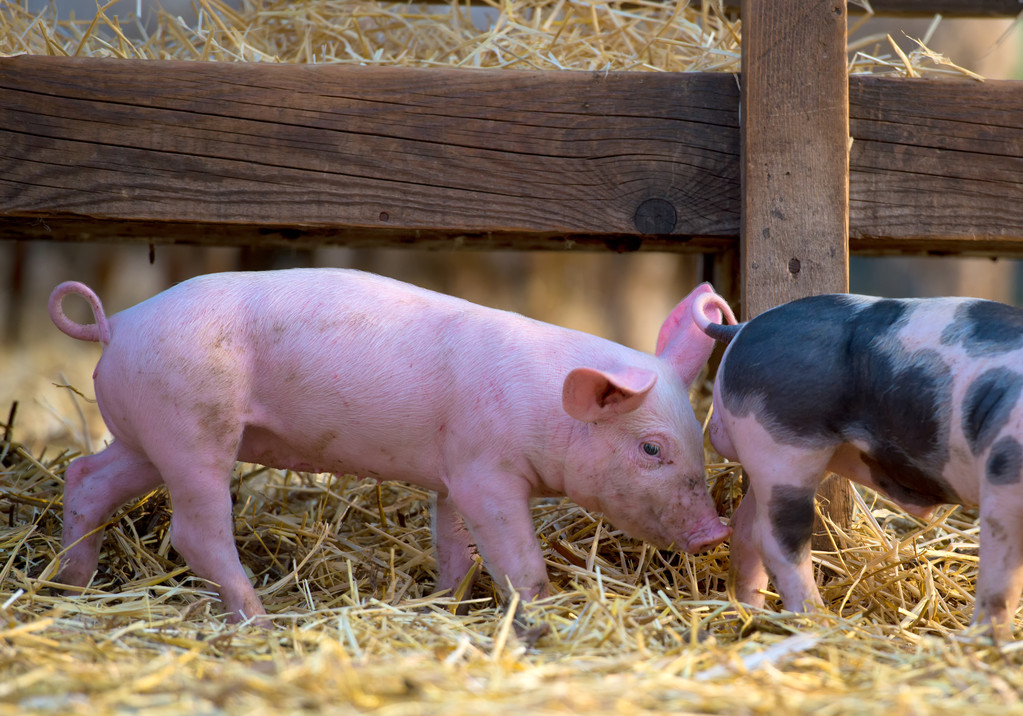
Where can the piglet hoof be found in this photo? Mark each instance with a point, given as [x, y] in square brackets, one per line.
[260, 620]
[250, 612]
[526, 630]
[197, 609]
[699, 636]
[58, 590]
[986, 633]
[528, 636]
[205, 608]
[763, 622]
[528, 633]
[60, 586]
[63, 590]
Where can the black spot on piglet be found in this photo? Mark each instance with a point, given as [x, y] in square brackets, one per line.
[985, 328]
[989, 402]
[791, 511]
[1005, 462]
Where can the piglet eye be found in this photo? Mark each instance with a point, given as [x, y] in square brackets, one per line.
[651, 449]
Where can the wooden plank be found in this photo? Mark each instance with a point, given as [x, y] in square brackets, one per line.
[948, 8]
[936, 166]
[402, 154]
[795, 169]
[795, 133]
[232, 154]
[293, 236]
[926, 8]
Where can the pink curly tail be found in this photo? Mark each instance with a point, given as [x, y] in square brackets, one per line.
[98, 331]
[717, 331]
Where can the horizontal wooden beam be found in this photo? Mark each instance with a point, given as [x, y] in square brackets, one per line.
[300, 155]
[948, 8]
[936, 166]
[926, 8]
[391, 153]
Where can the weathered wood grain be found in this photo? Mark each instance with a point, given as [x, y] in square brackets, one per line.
[925, 8]
[948, 8]
[794, 152]
[795, 170]
[114, 150]
[936, 166]
[400, 152]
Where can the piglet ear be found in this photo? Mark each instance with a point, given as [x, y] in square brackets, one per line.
[681, 342]
[592, 395]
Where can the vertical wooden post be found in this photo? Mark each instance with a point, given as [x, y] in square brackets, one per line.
[795, 166]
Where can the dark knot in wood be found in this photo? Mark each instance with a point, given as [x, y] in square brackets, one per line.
[655, 216]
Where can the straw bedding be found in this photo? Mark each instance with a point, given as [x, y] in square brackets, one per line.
[345, 566]
[641, 35]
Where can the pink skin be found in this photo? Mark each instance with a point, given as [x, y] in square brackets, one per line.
[340, 371]
[755, 549]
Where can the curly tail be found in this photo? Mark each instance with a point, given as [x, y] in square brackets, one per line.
[718, 331]
[98, 331]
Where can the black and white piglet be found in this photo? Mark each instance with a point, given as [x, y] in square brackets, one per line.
[916, 398]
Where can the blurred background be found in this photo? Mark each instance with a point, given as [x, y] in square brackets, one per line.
[623, 297]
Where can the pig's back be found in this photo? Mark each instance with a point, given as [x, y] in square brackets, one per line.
[820, 364]
[260, 301]
[270, 310]
[310, 328]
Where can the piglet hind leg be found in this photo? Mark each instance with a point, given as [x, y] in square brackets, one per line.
[747, 575]
[784, 483]
[202, 529]
[94, 487]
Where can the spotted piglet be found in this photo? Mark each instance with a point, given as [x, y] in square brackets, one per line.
[918, 399]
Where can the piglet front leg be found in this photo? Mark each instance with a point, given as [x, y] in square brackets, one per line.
[495, 508]
[1000, 575]
[455, 548]
[747, 576]
[496, 511]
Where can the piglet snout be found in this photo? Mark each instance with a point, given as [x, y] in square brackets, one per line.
[707, 535]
